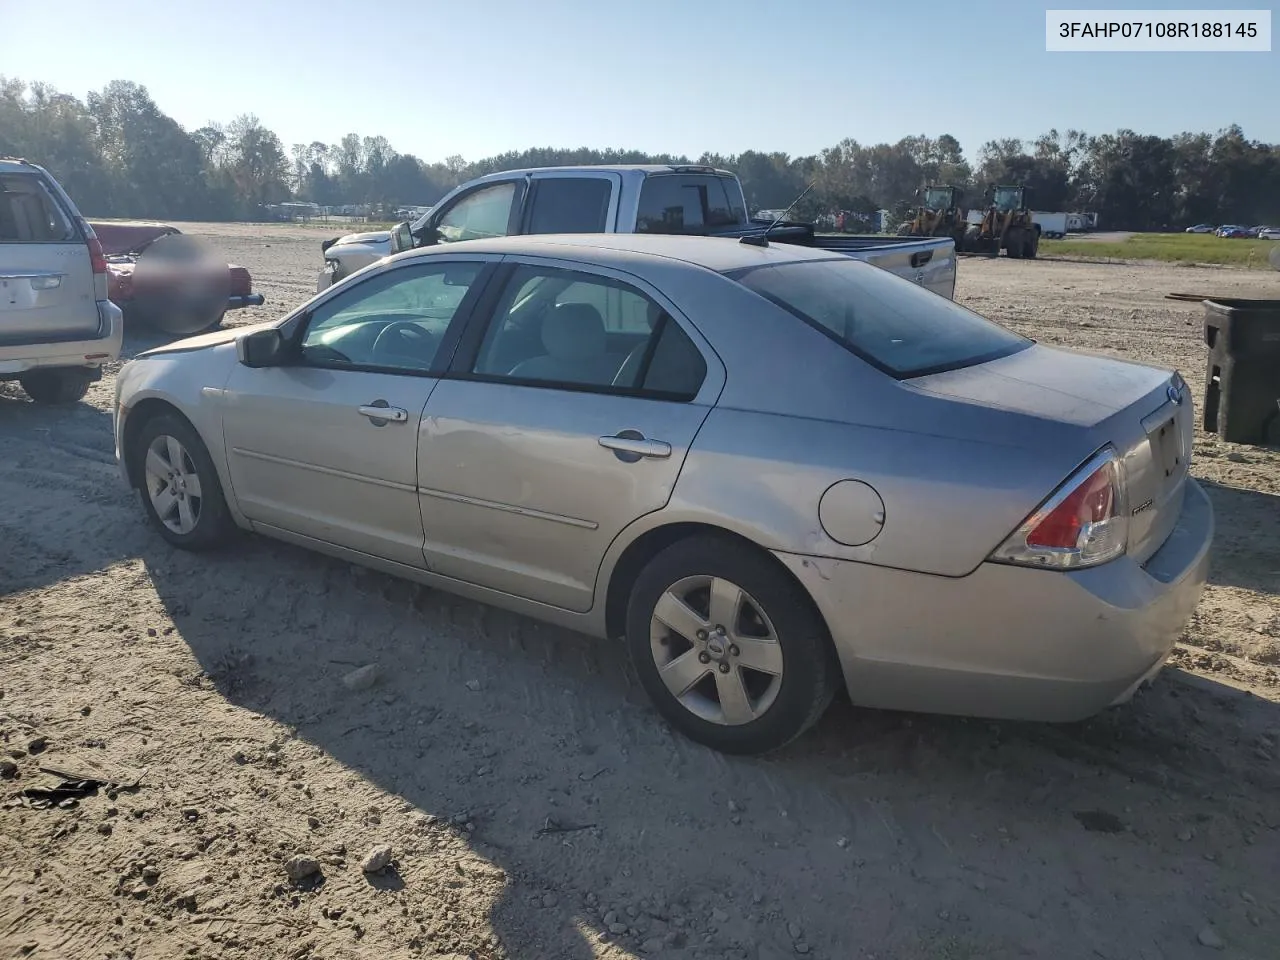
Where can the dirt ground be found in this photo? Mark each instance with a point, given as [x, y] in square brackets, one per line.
[535, 806]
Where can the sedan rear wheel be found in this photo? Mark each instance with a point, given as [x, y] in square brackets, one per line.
[728, 647]
[179, 485]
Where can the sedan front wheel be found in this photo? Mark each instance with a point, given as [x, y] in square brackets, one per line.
[729, 648]
[179, 484]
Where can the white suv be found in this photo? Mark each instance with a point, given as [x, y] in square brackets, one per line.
[57, 327]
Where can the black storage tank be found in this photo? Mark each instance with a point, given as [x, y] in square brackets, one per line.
[1242, 383]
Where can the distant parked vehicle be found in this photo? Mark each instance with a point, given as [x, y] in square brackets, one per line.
[1081, 222]
[1233, 231]
[1269, 233]
[1053, 226]
[653, 199]
[57, 325]
[165, 279]
[1202, 228]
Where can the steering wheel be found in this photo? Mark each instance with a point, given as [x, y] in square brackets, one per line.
[407, 343]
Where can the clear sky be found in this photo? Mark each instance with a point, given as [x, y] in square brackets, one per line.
[681, 76]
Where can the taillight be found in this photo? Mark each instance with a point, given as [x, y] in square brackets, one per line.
[1082, 524]
[97, 259]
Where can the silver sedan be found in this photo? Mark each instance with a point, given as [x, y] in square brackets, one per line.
[772, 472]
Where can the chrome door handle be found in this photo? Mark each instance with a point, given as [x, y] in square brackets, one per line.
[631, 444]
[380, 410]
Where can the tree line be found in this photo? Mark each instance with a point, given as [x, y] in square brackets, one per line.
[118, 154]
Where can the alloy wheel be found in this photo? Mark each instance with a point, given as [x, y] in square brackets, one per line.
[716, 650]
[173, 485]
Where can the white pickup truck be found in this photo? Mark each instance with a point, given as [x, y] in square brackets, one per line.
[688, 199]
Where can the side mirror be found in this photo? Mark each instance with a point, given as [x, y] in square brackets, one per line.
[401, 237]
[262, 348]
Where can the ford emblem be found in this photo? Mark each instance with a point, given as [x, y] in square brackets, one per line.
[1174, 393]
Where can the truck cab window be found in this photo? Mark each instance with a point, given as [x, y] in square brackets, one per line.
[570, 205]
[689, 203]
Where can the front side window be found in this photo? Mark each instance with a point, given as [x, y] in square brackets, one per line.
[571, 329]
[29, 213]
[892, 323]
[481, 215]
[570, 205]
[393, 321]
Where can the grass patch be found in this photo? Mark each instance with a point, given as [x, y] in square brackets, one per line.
[1168, 247]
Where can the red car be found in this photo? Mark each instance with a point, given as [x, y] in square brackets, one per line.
[161, 277]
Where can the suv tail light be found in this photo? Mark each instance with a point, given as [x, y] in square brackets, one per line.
[97, 259]
[1083, 523]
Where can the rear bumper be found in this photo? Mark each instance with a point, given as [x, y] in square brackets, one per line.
[1011, 642]
[246, 300]
[88, 352]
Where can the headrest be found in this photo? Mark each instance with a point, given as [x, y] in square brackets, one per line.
[574, 331]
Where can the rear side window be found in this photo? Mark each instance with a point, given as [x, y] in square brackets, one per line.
[29, 213]
[570, 205]
[689, 203]
[892, 323]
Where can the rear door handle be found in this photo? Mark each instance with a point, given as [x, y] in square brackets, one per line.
[631, 445]
[380, 410]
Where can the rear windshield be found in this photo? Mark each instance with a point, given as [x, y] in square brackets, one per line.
[689, 203]
[893, 324]
[29, 213]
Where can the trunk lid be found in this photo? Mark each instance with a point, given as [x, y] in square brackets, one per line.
[1056, 396]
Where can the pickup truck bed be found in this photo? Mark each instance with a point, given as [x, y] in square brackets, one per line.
[930, 262]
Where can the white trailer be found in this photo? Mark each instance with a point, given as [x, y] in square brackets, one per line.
[1053, 226]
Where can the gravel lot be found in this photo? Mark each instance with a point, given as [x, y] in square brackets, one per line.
[534, 805]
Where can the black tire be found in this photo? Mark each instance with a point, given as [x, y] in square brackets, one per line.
[810, 670]
[56, 387]
[1033, 247]
[214, 525]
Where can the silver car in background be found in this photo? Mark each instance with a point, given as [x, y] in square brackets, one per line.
[772, 471]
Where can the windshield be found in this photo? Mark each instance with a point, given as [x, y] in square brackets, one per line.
[893, 324]
[937, 199]
[1008, 198]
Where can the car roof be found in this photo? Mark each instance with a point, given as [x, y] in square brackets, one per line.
[721, 254]
[645, 168]
[15, 165]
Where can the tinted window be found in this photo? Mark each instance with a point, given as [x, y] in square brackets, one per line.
[569, 205]
[689, 203]
[395, 320]
[894, 324]
[563, 327]
[676, 367]
[480, 215]
[29, 213]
